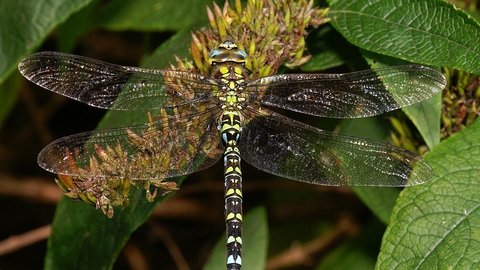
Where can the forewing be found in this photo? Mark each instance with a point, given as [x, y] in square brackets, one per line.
[290, 149]
[166, 147]
[108, 86]
[349, 95]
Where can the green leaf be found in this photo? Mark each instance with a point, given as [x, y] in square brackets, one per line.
[255, 243]
[425, 115]
[358, 253]
[9, 93]
[164, 55]
[80, 22]
[84, 238]
[94, 241]
[436, 225]
[429, 32]
[328, 49]
[26, 23]
[149, 15]
[380, 200]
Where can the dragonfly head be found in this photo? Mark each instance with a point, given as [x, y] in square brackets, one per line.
[228, 51]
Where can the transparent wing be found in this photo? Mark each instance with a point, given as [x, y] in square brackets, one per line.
[349, 95]
[290, 149]
[108, 86]
[167, 146]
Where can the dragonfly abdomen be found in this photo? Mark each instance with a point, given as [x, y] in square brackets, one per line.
[230, 129]
[233, 205]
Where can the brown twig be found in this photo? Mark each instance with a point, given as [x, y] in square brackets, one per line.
[135, 257]
[306, 254]
[33, 188]
[16, 242]
[172, 247]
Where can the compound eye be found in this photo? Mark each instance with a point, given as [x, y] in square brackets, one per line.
[227, 52]
[239, 56]
[219, 55]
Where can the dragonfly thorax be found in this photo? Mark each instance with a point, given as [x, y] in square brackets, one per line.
[231, 98]
[228, 67]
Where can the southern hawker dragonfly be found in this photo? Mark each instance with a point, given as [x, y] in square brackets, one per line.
[203, 118]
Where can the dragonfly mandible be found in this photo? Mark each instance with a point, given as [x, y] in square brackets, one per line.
[224, 114]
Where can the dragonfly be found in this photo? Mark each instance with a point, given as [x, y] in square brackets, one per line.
[203, 118]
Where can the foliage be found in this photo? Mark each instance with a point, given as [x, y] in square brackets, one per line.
[430, 226]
